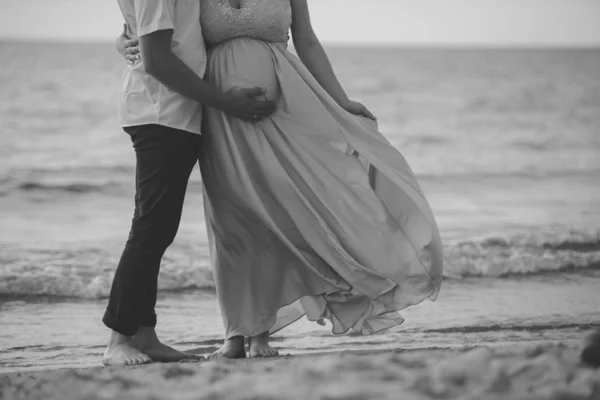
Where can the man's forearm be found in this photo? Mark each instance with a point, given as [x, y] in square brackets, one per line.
[160, 62]
[173, 73]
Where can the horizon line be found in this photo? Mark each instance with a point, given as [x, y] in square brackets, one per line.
[388, 44]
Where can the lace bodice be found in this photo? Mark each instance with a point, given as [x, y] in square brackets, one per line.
[267, 20]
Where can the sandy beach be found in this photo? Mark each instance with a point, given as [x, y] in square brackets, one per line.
[537, 372]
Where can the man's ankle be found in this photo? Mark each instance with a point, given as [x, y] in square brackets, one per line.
[146, 334]
[117, 338]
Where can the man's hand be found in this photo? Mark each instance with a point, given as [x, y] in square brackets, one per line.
[244, 103]
[127, 47]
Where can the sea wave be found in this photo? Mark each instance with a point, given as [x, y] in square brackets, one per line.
[535, 253]
[87, 272]
[70, 187]
[120, 179]
[510, 327]
[100, 179]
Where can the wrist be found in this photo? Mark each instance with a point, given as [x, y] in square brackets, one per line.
[344, 102]
[220, 101]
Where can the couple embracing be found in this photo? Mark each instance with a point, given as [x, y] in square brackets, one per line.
[310, 211]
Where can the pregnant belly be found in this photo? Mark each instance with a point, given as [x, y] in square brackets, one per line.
[244, 63]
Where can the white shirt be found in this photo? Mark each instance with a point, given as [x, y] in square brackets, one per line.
[144, 100]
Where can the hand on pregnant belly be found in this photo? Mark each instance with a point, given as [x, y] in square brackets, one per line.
[244, 64]
[264, 80]
[246, 104]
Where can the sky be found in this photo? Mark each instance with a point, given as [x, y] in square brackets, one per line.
[410, 22]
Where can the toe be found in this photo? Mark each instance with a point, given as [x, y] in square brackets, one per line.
[191, 358]
[143, 360]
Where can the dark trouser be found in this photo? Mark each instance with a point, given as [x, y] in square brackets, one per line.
[165, 159]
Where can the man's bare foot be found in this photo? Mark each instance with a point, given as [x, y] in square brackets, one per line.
[148, 343]
[259, 346]
[121, 351]
[232, 348]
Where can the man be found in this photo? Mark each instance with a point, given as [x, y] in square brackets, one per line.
[160, 107]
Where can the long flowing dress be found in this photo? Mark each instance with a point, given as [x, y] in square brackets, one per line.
[311, 211]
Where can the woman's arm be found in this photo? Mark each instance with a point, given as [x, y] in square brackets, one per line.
[315, 59]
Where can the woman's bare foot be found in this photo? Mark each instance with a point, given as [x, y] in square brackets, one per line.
[122, 351]
[232, 348]
[148, 343]
[259, 346]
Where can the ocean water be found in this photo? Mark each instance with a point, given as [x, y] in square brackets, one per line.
[506, 144]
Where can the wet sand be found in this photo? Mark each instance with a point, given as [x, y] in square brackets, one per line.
[538, 372]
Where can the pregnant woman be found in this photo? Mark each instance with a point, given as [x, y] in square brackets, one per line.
[311, 211]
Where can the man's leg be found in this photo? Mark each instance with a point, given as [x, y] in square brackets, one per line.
[165, 158]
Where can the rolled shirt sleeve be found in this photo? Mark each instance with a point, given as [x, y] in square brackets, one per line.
[154, 15]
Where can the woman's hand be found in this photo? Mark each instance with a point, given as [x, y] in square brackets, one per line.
[356, 108]
[127, 47]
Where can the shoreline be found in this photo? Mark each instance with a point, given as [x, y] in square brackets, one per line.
[515, 372]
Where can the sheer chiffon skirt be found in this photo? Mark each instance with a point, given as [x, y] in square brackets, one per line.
[312, 211]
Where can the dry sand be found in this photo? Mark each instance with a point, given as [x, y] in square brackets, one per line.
[480, 373]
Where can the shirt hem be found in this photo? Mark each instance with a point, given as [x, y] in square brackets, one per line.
[173, 126]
